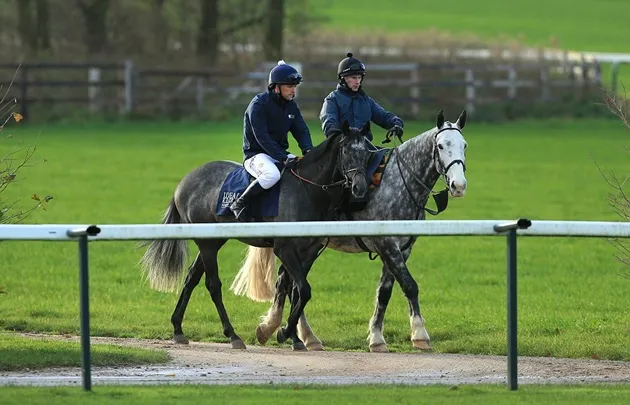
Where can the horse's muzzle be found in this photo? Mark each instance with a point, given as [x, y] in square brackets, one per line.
[359, 185]
[457, 188]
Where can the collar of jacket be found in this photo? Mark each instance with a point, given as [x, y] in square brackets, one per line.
[346, 91]
[277, 98]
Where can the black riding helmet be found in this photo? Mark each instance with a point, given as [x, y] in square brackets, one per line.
[350, 66]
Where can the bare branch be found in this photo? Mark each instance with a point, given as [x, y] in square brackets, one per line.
[619, 200]
[10, 84]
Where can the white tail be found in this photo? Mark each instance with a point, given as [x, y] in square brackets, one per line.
[256, 278]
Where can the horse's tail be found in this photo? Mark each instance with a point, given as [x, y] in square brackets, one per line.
[163, 261]
[256, 278]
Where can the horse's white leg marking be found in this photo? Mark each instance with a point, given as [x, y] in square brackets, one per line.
[306, 335]
[383, 294]
[419, 335]
[269, 323]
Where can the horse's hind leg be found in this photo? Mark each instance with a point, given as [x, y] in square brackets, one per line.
[383, 295]
[305, 333]
[209, 250]
[195, 272]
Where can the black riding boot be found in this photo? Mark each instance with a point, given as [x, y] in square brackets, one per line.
[244, 199]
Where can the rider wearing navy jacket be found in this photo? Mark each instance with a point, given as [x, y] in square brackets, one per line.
[349, 102]
[268, 119]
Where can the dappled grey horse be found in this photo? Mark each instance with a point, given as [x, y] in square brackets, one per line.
[407, 182]
[309, 193]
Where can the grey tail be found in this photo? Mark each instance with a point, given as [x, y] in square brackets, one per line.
[163, 261]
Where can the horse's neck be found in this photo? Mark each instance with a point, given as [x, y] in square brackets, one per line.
[322, 170]
[416, 155]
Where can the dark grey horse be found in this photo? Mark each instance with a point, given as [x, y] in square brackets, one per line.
[407, 182]
[310, 193]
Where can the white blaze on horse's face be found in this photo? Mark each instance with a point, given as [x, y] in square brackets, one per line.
[451, 149]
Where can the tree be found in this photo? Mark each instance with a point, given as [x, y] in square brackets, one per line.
[208, 33]
[275, 25]
[95, 18]
[619, 199]
[11, 161]
[34, 30]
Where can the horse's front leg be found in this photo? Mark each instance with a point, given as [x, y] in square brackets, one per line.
[298, 258]
[272, 320]
[395, 261]
[383, 295]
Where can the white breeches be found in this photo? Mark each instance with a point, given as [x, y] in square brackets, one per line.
[262, 167]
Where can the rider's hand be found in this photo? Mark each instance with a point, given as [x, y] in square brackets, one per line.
[291, 162]
[397, 131]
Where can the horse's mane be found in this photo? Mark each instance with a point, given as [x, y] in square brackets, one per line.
[320, 150]
[430, 133]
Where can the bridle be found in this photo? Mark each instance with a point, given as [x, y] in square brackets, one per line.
[438, 163]
[348, 175]
[441, 197]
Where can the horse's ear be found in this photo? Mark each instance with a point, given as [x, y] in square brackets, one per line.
[461, 121]
[366, 128]
[440, 119]
[345, 127]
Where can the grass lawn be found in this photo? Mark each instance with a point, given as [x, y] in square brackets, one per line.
[572, 295]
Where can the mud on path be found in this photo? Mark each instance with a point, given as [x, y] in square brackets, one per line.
[217, 363]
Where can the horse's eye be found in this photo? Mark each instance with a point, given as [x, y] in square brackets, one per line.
[440, 146]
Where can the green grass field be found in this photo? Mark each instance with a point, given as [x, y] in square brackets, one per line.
[577, 25]
[583, 25]
[572, 293]
[19, 353]
[601, 394]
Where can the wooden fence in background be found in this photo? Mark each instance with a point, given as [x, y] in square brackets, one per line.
[407, 88]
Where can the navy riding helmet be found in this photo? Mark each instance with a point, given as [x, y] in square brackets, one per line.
[284, 74]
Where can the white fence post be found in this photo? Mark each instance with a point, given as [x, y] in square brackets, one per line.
[94, 89]
[414, 91]
[512, 84]
[470, 90]
[130, 78]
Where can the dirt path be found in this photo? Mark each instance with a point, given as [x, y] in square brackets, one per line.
[213, 363]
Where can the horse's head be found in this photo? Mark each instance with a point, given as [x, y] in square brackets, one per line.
[449, 154]
[354, 156]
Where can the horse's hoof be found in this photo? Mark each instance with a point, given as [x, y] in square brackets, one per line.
[261, 336]
[180, 339]
[299, 347]
[238, 344]
[421, 344]
[315, 347]
[281, 336]
[379, 348]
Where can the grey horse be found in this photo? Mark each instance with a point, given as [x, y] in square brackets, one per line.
[407, 182]
[310, 192]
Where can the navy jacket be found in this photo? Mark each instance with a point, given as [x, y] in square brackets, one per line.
[356, 107]
[266, 124]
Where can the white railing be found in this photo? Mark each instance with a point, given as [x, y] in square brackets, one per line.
[523, 227]
[58, 232]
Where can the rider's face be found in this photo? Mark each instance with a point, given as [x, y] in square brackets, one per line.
[353, 82]
[287, 91]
